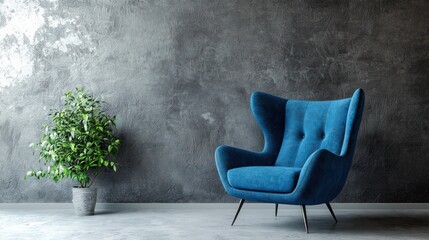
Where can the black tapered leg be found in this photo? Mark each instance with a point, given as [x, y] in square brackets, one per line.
[304, 215]
[277, 209]
[240, 204]
[332, 212]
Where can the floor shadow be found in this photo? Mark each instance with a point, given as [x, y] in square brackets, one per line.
[106, 212]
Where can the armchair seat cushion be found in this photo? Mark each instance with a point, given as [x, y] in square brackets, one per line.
[273, 179]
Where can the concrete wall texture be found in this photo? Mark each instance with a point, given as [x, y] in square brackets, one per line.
[178, 75]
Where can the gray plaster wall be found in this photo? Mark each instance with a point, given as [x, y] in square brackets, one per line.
[178, 75]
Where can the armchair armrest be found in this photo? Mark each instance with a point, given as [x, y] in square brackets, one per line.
[322, 177]
[229, 157]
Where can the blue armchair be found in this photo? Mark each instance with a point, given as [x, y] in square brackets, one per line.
[307, 155]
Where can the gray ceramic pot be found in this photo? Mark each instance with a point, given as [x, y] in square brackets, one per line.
[84, 200]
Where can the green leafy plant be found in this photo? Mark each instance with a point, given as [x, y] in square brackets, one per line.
[78, 142]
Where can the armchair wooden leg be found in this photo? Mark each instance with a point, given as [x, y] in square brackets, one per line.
[304, 215]
[240, 204]
[277, 209]
[332, 212]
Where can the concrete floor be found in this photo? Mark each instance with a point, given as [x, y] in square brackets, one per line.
[209, 223]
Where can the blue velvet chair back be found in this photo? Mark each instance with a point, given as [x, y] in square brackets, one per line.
[312, 125]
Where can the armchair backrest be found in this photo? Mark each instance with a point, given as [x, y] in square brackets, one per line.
[313, 125]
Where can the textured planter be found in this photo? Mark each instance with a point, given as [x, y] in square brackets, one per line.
[84, 200]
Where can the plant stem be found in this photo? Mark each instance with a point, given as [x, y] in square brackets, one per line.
[96, 174]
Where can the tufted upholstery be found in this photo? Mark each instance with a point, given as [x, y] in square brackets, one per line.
[318, 137]
[310, 126]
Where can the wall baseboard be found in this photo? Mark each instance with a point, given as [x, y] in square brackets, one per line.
[104, 206]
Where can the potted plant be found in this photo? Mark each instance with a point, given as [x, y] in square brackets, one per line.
[77, 144]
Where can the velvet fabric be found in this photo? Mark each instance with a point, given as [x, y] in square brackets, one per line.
[267, 179]
[318, 137]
